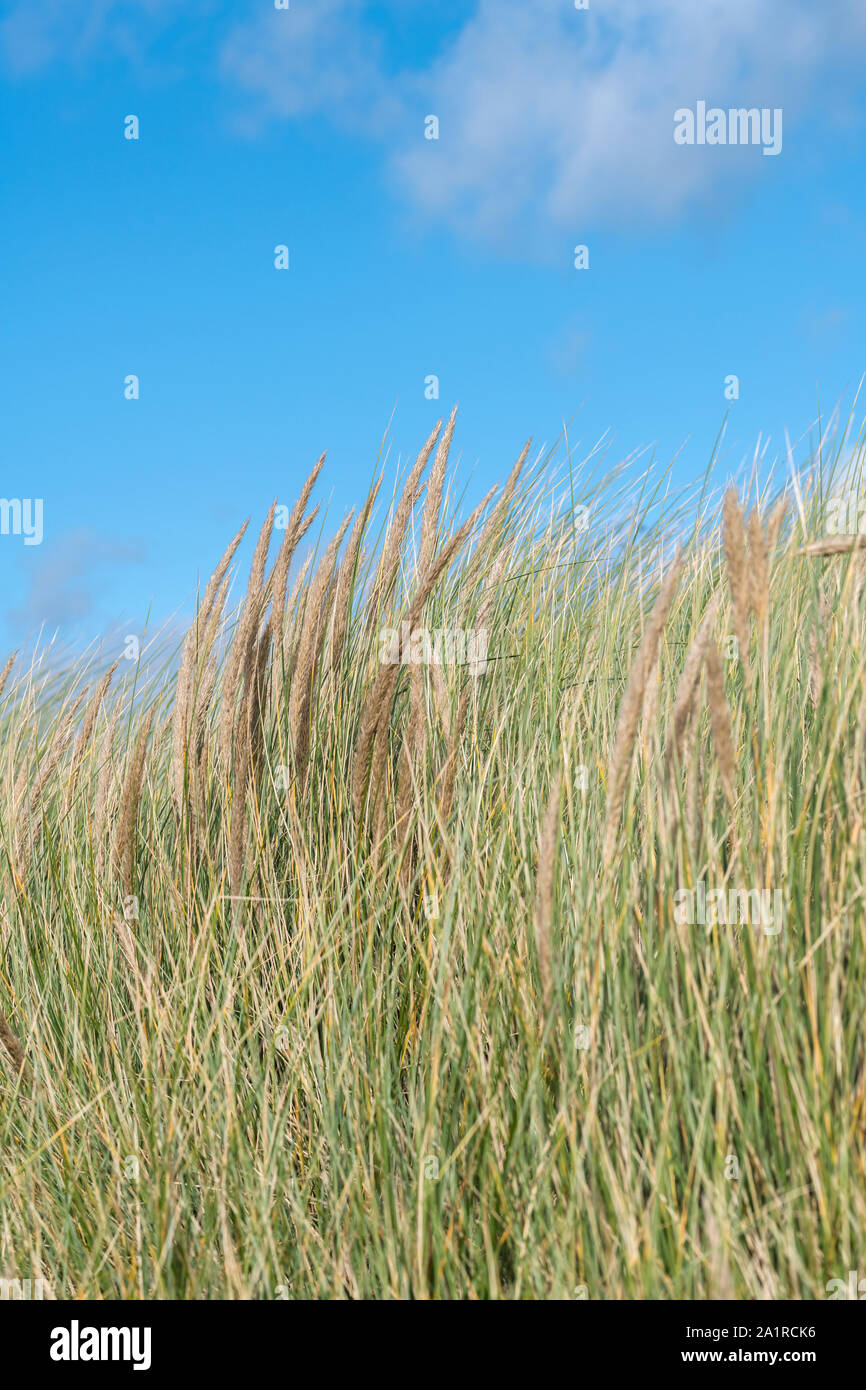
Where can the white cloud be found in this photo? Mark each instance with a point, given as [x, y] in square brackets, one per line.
[62, 576]
[558, 117]
[551, 117]
[317, 57]
[34, 33]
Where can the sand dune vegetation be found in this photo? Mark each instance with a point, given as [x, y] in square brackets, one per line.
[539, 974]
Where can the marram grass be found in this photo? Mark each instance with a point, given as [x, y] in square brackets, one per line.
[326, 978]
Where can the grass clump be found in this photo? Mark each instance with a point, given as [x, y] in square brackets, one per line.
[328, 977]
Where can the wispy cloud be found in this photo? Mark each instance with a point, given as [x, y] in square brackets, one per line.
[321, 58]
[62, 576]
[35, 33]
[552, 117]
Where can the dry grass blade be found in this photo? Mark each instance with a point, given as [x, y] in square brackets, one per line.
[306, 658]
[774, 524]
[237, 836]
[295, 611]
[248, 741]
[377, 705]
[490, 594]
[738, 573]
[31, 825]
[258, 701]
[243, 645]
[834, 545]
[759, 572]
[296, 528]
[219, 574]
[687, 687]
[207, 679]
[455, 728]
[547, 846]
[448, 774]
[413, 747]
[14, 1048]
[414, 740]
[720, 718]
[393, 546]
[214, 594]
[4, 674]
[86, 732]
[346, 578]
[817, 639]
[297, 525]
[124, 845]
[441, 697]
[239, 816]
[492, 532]
[632, 705]
[433, 502]
[104, 786]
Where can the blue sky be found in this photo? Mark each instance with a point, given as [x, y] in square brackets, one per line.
[408, 257]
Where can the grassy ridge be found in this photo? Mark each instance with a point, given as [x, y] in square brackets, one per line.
[323, 977]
